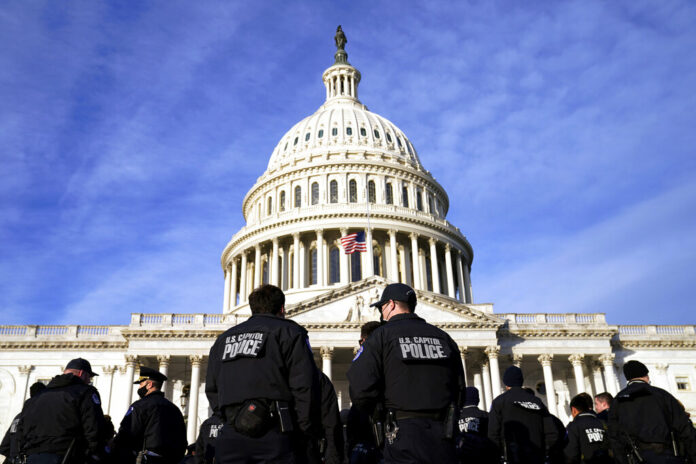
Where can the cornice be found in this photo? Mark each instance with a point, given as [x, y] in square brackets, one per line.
[557, 332]
[674, 344]
[173, 333]
[63, 345]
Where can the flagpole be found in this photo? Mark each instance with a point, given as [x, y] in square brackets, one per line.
[371, 259]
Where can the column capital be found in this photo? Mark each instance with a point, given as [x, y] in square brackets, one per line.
[413, 236]
[131, 360]
[661, 367]
[448, 248]
[326, 352]
[492, 351]
[196, 359]
[296, 235]
[517, 359]
[319, 232]
[545, 359]
[432, 241]
[576, 359]
[344, 230]
[607, 359]
[463, 350]
[257, 247]
[392, 232]
[274, 241]
[25, 369]
[109, 370]
[163, 359]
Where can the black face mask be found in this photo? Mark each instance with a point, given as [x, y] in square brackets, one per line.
[142, 391]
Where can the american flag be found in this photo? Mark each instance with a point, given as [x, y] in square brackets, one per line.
[354, 242]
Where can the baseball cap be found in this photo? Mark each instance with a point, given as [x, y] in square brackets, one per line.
[81, 364]
[397, 292]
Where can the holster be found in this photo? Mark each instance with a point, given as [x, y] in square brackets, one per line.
[377, 423]
[253, 418]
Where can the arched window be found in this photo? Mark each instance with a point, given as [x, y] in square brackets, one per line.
[419, 199]
[334, 131]
[398, 140]
[306, 137]
[334, 265]
[389, 139]
[428, 274]
[264, 272]
[389, 193]
[371, 193]
[282, 201]
[353, 191]
[431, 209]
[298, 196]
[355, 267]
[321, 133]
[333, 191]
[377, 259]
[376, 132]
[269, 207]
[363, 132]
[295, 142]
[315, 193]
[404, 195]
[313, 266]
[349, 131]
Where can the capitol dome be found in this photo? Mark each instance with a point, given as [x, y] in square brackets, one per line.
[339, 171]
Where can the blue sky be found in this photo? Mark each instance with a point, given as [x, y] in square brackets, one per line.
[563, 133]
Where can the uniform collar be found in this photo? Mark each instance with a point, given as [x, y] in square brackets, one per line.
[401, 316]
[275, 316]
[588, 413]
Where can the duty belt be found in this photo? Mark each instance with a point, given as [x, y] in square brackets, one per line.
[437, 414]
[659, 448]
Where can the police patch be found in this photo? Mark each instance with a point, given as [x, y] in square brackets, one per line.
[423, 348]
[244, 345]
[357, 355]
[96, 399]
[532, 406]
[130, 410]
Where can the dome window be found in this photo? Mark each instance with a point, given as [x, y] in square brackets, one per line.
[333, 191]
[269, 208]
[295, 142]
[281, 203]
[389, 193]
[349, 130]
[363, 132]
[321, 133]
[404, 196]
[315, 193]
[313, 264]
[419, 199]
[398, 140]
[286, 147]
[334, 131]
[353, 191]
[376, 134]
[298, 196]
[306, 137]
[371, 192]
[334, 265]
[389, 139]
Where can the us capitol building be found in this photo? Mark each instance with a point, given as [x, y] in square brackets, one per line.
[338, 171]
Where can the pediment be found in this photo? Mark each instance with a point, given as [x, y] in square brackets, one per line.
[350, 304]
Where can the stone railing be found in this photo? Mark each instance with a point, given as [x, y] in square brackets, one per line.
[181, 321]
[61, 332]
[627, 331]
[545, 318]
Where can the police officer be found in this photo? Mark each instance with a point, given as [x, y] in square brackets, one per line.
[519, 423]
[153, 426]
[473, 444]
[331, 445]
[587, 439]
[10, 442]
[602, 404]
[263, 379]
[647, 424]
[207, 436]
[414, 369]
[65, 419]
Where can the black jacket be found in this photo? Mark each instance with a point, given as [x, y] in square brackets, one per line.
[67, 409]
[521, 426]
[154, 424]
[647, 415]
[265, 357]
[205, 445]
[409, 365]
[331, 422]
[473, 444]
[587, 440]
[10, 443]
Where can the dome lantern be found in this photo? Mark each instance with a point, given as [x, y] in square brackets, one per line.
[341, 79]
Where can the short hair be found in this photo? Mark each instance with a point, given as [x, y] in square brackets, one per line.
[604, 397]
[156, 384]
[36, 388]
[367, 329]
[406, 305]
[579, 402]
[266, 299]
[588, 400]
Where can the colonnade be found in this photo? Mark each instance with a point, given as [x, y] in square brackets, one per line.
[316, 258]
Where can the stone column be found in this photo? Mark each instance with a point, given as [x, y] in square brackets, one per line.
[492, 352]
[283, 277]
[369, 270]
[488, 393]
[192, 429]
[257, 267]
[226, 299]
[243, 279]
[404, 267]
[597, 377]
[577, 360]
[26, 372]
[468, 292]
[163, 361]
[273, 271]
[545, 360]
[106, 398]
[326, 357]
[434, 268]
[415, 262]
[607, 361]
[460, 278]
[320, 257]
[131, 364]
[343, 261]
[303, 265]
[296, 260]
[478, 383]
[233, 286]
[393, 257]
[450, 272]
[462, 354]
[662, 379]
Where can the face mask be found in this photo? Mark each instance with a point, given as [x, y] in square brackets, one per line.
[142, 391]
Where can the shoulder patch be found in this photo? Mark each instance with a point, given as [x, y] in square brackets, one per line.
[357, 355]
[95, 399]
[130, 410]
[243, 345]
[532, 406]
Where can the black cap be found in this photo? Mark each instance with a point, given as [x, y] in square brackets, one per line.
[81, 364]
[148, 373]
[397, 292]
[634, 369]
[513, 377]
[471, 396]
